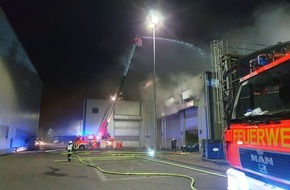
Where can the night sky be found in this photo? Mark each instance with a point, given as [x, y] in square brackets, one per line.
[79, 47]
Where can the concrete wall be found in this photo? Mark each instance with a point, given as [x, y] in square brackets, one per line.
[147, 128]
[94, 110]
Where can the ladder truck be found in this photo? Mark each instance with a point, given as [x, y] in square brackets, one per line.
[102, 135]
[257, 137]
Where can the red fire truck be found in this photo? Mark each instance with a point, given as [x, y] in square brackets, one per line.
[83, 142]
[257, 138]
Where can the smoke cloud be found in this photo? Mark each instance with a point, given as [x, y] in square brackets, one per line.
[270, 25]
[176, 62]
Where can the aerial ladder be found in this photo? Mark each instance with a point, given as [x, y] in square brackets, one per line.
[103, 129]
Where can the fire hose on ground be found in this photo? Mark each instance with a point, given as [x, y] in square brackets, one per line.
[139, 155]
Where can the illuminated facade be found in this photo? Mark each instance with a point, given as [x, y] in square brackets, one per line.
[186, 113]
[127, 123]
[20, 91]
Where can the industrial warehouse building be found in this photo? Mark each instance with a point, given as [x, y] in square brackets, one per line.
[20, 91]
[185, 113]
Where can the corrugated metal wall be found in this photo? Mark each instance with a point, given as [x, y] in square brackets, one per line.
[128, 132]
[20, 91]
[127, 122]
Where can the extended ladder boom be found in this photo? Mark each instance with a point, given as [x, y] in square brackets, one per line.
[103, 133]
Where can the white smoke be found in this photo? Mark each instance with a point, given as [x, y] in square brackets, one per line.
[163, 87]
[176, 62]
[271, 25]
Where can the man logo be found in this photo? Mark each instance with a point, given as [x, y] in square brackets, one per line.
[262, 159]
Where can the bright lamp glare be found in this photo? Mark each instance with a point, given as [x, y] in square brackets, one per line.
[113, 98]
[150, 25]
[151, 153]
[153, 19]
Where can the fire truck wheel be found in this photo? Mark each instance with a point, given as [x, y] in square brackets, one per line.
[82, 147]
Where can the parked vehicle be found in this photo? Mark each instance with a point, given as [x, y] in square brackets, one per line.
[257, 137]
[83, 142]
[63, 139]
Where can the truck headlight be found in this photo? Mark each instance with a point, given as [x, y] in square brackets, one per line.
[236, 180]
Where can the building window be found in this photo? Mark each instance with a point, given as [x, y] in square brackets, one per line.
[95, 110]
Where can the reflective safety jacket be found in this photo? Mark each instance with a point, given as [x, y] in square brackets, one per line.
[70, 148]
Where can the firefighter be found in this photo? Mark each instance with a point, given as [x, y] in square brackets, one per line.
[173, 144]
[70, 149]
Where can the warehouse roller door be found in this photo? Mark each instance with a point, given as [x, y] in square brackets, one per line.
[128, 132]
[173, 130]
[191, 119]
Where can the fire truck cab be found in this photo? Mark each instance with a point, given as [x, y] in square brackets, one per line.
[257, 138]
[85, 142]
